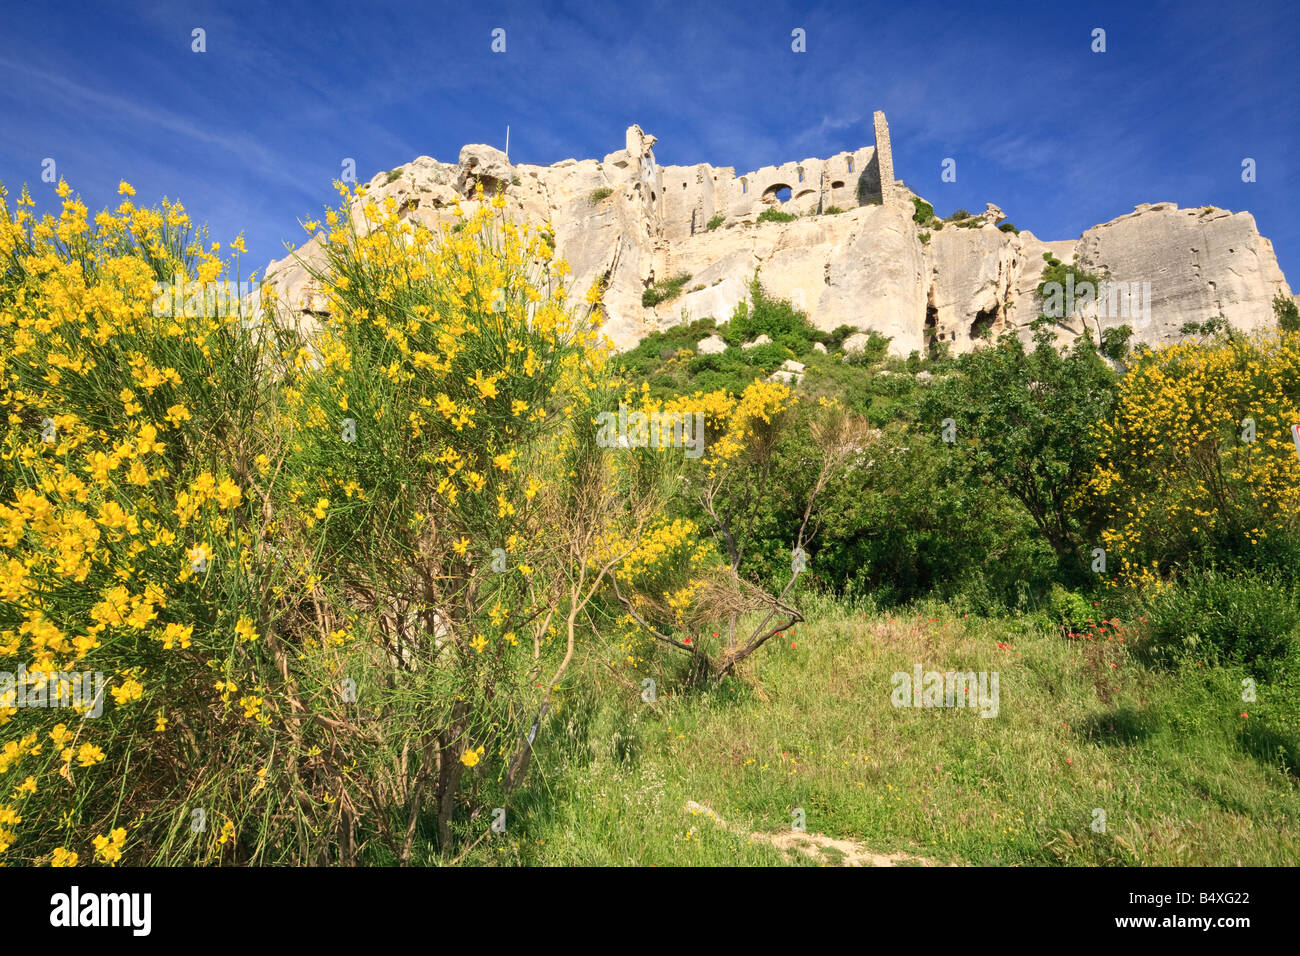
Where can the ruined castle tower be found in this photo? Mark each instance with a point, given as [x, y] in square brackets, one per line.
[884, 159]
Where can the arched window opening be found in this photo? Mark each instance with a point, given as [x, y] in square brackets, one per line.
[777, 193]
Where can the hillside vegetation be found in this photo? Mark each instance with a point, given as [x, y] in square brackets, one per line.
[446, 581]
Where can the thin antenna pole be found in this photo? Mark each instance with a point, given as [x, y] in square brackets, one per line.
[507, 141]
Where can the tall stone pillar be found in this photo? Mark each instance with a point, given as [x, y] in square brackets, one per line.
[884, 159]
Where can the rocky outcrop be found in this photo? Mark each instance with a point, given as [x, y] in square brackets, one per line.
[484, 166]
[848, 259]
[712, 345]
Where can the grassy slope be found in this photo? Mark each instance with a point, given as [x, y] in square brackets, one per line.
[1182, 776]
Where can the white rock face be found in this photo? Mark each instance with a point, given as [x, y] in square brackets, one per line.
[790, 372]
[713, 345]
[856, 342]
[865, 268]
[1200, 263]
[483, 164]
[761, 340]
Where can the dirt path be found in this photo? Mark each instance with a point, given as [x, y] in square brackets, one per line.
[826, 849]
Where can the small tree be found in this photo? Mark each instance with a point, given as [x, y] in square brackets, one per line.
[442, 441]
[1286, 312]
[1026, 420]
[683, 587]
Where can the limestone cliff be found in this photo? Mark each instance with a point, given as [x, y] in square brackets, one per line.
[632, 223]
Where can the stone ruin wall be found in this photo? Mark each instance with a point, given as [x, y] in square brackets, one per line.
[692, 195]
[889, 192]
[867, 268]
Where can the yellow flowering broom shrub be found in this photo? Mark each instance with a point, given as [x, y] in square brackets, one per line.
[132, 550]
[1198, 459]
[332, 580]
[684, 585]
[441, 463]
[325, 585]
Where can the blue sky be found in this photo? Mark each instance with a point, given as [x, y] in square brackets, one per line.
[250, 134]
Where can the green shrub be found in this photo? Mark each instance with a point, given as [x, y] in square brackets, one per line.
[393, 174]
[832, 211]
[643, 361]
[876, 348]
[1213, 327]
[1026, 420]
[599, 195]
[1114, 342]
[833, 340]
[772, 214]
[1008, 227]
[665, 291]
[715, 222]
[1069, 609]
[959, 215]
[776, 318]
[1055, 278]
[900, 529]
[1209, 616]
[1288, 316]
[924, 211]
[925, 238]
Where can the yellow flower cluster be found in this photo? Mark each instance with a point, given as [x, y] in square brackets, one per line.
[113, 408]
[1200, 444]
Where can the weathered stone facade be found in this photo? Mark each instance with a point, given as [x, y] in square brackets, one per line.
[889, 193]
[870, 266]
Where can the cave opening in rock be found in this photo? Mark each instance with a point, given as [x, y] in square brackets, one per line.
[491, 186]
[931, 324]
[983, 326]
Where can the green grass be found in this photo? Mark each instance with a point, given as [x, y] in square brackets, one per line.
[599, 195]
[772, 214]
[1183, 778]
[715, 222]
